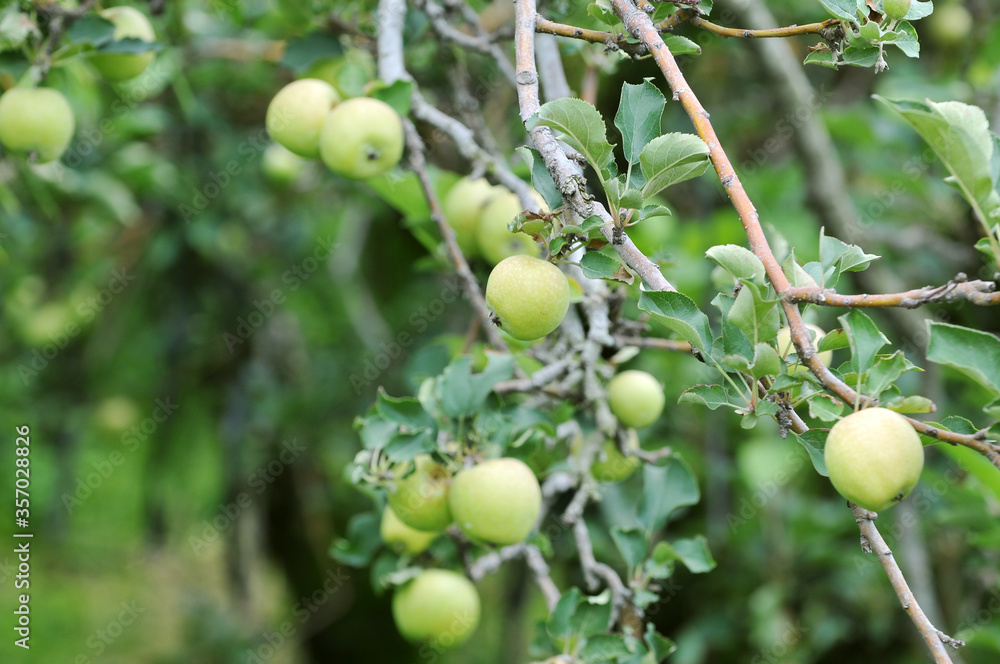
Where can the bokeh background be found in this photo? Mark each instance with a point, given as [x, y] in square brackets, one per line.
[184, 320]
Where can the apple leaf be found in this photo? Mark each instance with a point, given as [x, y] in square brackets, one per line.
[865, 338]
[638, 117]
[679, 312]
[679, 45]
[712, 396]
[660, 647]
[361, 542]
[693, 552]
[632, 543]
[605, 648]
[91, 29]
[814, 441]
[541, 179]
[844, 9]
[407, 446]
[582, 128]
[919, 9]
[129, 45]
[670, 159]
[407, 412]
[665, 489]
[304, 52]
[397, 94]
[597, 265]
[885, 372]
[976, 354]
[463, 392]
[738, 261]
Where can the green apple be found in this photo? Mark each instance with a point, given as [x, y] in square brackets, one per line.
[529, 296]
[402, 537]
[495, 241]
[128, 22]
[785, 346]
[296, 114]
[613, 466]
[874, 458]
[438, 606]
[896, 9]
[635, 398]
[496, 501]
[950, 25]
[361, 138]
[36, 120]
[420, 499]
[463, 207]
[281, 165]
[116, 414]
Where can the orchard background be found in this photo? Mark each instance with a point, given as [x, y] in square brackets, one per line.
[203, 334]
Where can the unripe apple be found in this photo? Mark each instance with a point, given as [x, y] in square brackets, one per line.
[950, 25]
[116, 414]
[874, 458]
[495, 241]
[635, 398]
[296, 114]
[420, 499]
[438, 606]
[613, 466]
[496, 501]
[36, 120]
[785, 346]
[529, 296]
[402, 537]
[281, 165]
[129, 22]
[361, 138]
[896, 9]
[463, 207]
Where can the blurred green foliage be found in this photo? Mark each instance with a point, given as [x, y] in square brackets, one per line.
[180, 331]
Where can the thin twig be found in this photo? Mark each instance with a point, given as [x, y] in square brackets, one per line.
[978, 292]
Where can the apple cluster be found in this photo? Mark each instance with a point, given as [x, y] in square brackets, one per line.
[39, 122]
[496, 501]
[356, 138]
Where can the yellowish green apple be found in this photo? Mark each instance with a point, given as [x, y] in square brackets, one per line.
[402, 537]
[439, 607]
[613, 466]
[128, 22]
[36, 121]
[495, 241]
[463, 207]
[529, 296]
[296, 114]
[361, 138]
[496, 501]
[420, 499]
[636, 398]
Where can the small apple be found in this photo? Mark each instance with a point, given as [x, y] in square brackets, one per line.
[420, 499]
[950, 25]
[116, 414]
[129, 22]
[496, 501]
[281, 165]
[361, 138]
[463, 207]
[529, 296]
[785, 346]
[36, 120]
[495, 241]
[401, 537]
[635, 398]
[438, 606]
[896, 9]
[874, 458]
[295, 116]
[613, 466]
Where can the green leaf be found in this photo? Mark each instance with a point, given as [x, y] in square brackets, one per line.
[665, 489]
[919, 9]
[401, 190]
[597, 265]
[886, 371]
[406, 446]
[376, 432]
[541, 179]
[464, 393]
[632, 543]
[755, 315]
[976, 354]
[865, 338]
[910, 404]
[407, 412]
[823, 58]
[738, 261]
[670, 159]
[605, 648]
[679, 45]
[638, 117]
[91, 29]
[860, 54]
[361, 543]
[766, 361]
[959, 134]
[559, 625]
[660, 647]
[592, 615]
[130, 45]
[397, 95]
[712, 396]
[815, 442]
[906, 40]
[679, 312]
[825, 407]
[845, 257]
[582, 127]
[975, 464]
[695, 555]
[304, 52]
[845, 9]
